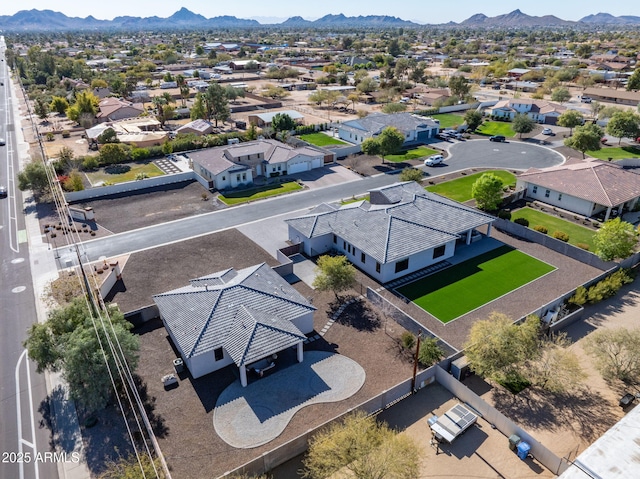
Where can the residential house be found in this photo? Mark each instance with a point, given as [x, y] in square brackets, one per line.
[112, 109]
[198, 127]
[233, 165]
[517, 72]
[141, 132]
[415, 128]
[621, 97]
[235, 316]
[540, 111]
[587, 188]
[402, 229]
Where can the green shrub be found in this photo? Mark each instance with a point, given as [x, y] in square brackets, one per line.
[408, 340]
[89, 163]
[505, 215]
[541, 229]
[584, 246]
[66, 133]
[609, 286]
[522, 221]
[561, 235]
[138, 154]
[580, 297]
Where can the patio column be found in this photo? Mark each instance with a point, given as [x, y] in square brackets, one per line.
[300, 351]
[606, 217]
[243, 376]
[469, 237]
[489, 230]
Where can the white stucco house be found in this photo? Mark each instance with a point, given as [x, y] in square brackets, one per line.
[587, 188]
[236, 317]
[415, 128]
[229, 166]
[540, 111]
[402, 229]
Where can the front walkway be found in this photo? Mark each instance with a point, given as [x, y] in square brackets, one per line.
[246, 417]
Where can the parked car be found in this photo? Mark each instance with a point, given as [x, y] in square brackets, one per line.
[3, 191]
[500, 138]
[2, 142]
[496, 86]
[604, 140]
[548, 131]
[434, 160]
[586, 99]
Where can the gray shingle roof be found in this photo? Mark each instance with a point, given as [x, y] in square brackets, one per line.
[202, 315]
[593, 180]
[389, 233]
[374, 124]
[256, 334]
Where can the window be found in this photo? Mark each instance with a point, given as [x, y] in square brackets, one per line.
[224, 178]
[535, 189]
[547, 193]
[344, 245]
[335, 239]
[218, 354]
[439, 251]
[377, 267]
[402, 265]
[362, 257]
[559, 196]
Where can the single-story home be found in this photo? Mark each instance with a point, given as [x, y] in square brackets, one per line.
[112, 109]
[586, 188]
[400, 230]
[232, 165]
[540, 111]
[622, 97]
[198, 127]
[235, 317]
[141, 132]
[415, 128]
[265, 119]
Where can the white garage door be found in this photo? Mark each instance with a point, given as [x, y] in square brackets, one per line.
[297, 167]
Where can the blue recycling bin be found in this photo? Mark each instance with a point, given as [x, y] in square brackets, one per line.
[523, 449]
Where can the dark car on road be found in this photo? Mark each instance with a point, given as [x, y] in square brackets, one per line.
[497, 138]
[3, 191]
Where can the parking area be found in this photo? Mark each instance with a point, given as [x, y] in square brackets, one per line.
[327, 176]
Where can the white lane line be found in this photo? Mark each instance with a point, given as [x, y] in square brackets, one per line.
[22, 441]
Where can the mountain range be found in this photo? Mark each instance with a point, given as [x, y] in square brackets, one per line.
[48, 20]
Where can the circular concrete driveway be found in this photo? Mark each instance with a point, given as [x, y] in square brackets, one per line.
[489, 154]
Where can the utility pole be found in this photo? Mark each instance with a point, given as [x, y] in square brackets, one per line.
[415, 364]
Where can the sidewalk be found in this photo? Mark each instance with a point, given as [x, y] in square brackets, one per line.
[66, 432]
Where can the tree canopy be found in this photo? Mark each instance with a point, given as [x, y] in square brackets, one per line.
[487, 191]
[624, 124]
[34, 177]
[283, 122]
[585, 138]
[523, 124]
[570, 119]
[473, 119]
[616, 353]
[334, 273]
[561, 95]
[68, 342]
[411, 174]
[616, 239]
[361, 448]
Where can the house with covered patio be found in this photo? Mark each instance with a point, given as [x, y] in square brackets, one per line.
[588, 188]
[235, 317]
[402, 229]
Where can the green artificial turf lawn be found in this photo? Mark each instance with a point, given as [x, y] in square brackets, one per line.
[475, 282]
[447, 120]
[460, 188]
[150, 169]
[412, 154]
[577, 234]
[320, 139]
[490, 128]
[615, 153]
[258, 193]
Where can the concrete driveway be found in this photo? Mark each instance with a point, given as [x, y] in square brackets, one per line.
[327, 176]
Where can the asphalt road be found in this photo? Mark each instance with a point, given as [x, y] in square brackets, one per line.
[21, 388]
[464, 154]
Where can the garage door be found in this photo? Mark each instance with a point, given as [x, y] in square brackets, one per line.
[423, 135]
[297, 167]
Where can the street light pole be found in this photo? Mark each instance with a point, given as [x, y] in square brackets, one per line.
[415, 364]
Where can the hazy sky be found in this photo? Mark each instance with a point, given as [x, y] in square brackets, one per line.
[421, 11]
